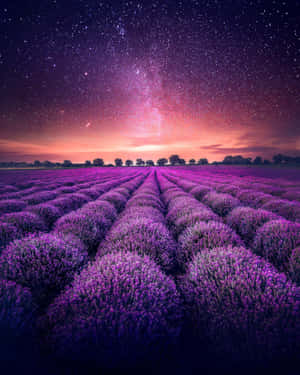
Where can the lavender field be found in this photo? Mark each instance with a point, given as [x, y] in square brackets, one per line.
[171, 269]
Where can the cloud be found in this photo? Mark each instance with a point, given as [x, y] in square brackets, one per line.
[248, 150]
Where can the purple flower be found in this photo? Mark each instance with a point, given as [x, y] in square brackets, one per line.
[287, 209]
[199, 191]
[11, 205]
[43, 263]
[40, 197]
[16, 310]
[245, 221]
[117, 199]
[8, 233]
[142, 236]
[118, 310]
[222, 204]
[90, 229]
[191, 218]
[294, 265]
[275, 241]
[47, 212]
[240, 305]
[25, 222]
[204, 235]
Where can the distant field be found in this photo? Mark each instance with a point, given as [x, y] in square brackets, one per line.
[169, 268]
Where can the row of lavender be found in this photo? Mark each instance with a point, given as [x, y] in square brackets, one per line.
[136, 291]
[33, 270]
[38, 211]
[267, 233]
[234, 300]
[127, 308]
[279, 195]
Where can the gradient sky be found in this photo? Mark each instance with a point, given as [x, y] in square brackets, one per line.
[87, 79]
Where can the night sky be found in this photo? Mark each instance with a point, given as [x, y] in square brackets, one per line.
[86, 79]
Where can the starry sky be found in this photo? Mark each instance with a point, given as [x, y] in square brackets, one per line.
[86, 79]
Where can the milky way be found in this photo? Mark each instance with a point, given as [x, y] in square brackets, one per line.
[85, 78]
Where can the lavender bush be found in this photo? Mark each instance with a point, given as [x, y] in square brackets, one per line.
[117, 199]
[89, 229]
[294, 265]
[142, 236]
[11, 205]
[47, 212]
[241, 305]
[17, 310]
[190, 219]
[100, 207]
[8, 233]
[43, 263]
[275, 241]
[120, 309]
[25, 222]
[40, 197]
[221, 204]
[246, 220]
[205, 235]
[289, 210]
[200, 191]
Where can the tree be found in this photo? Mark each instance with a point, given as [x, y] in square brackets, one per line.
[129, 163]
[192, 162]
[37, 163]
[139, 162]
[98, 162]
[174, 159]
[202, 161]
[257, 160]
[162, 161]
[149, 163]
[237, 160]
[181, 161]
[118, 162]
[47, 163]
[267, 162]
[278, 159]
[87, 163]
[67, 163]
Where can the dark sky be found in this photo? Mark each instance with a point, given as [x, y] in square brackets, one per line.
[85, 79]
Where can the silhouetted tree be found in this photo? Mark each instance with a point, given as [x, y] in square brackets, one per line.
[37, 163]
[192, 162]
[174, 159]
[257, 160]
[47, 164]
[162, 161]
[87, 163]
[285, 159]
[98, 162]
[267, 162]
[139, 162]
[202, 161]
[129, 163]
[109, 165]
[150, 163]
[236, 160]
[67, 163]
[181, 161]
[118, 162]
[277, 159]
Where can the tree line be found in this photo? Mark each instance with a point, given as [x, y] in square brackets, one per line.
[278, 159]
